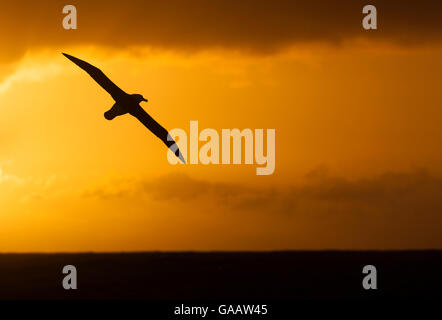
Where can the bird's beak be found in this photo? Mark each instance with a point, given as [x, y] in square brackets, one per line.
[144, 99]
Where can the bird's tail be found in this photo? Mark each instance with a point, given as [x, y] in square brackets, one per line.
[115, 111]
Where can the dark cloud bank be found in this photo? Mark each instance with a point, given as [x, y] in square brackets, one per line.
[256, 26]
[393, 210]
[417, 193]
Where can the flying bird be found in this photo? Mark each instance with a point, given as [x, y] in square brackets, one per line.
[127, 103]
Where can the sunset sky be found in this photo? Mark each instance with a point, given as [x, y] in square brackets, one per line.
[357, 116]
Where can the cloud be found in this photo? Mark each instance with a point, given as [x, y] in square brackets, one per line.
[392, 210]
[179, 187]
[416, 193]
[28, 188]
[29, 73]
[257, 26]
[10, 178]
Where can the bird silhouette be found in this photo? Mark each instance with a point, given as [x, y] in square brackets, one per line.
[127, 103]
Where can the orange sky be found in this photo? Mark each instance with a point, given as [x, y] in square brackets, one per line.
[357, 119]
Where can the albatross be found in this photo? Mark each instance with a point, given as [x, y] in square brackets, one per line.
[127, 103]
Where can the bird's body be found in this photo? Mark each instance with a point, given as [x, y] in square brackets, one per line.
[127, 103]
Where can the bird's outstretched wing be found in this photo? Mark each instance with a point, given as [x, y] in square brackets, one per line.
[157, 130]
[99, 77]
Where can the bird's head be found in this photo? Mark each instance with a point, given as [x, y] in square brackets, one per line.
[138, 98]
